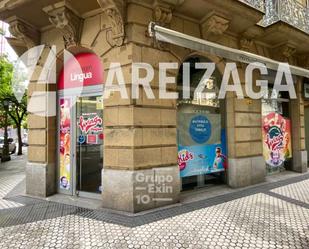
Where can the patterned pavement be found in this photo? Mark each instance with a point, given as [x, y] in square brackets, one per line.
[274, 215]
[11, 174]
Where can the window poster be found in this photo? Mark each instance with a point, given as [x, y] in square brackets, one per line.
[90, 128]
[277, 147]
[201, 144]
[65, 143]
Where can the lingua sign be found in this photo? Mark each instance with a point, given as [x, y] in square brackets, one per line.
[91, 74]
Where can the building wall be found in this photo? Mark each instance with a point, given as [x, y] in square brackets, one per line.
[140, 135]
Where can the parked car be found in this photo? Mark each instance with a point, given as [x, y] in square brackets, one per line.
[25, 141]
[12, 145]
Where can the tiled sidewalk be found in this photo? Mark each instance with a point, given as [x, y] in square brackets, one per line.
[11, 174]
[274, 215]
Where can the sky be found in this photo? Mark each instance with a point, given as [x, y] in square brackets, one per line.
[6, 48]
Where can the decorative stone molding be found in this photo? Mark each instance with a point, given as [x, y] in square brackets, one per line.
[115, 10]
[11, 4]
[162, 15]
[163, 11]
[285, 52]
[246, 44]
[214, 24]
[303, 60]
[66, 21]
[24, 32]
[173, 2]
[288, 51]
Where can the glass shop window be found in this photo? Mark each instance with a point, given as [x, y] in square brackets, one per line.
[200, 130]
[276, 130]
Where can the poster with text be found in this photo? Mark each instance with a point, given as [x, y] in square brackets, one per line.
[200, 160]
[198, 129]
[201, 144]
[65, 143]
[277, 146]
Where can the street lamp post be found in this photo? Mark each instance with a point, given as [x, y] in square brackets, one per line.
[5, 151]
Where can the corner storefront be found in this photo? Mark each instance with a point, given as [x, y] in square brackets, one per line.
[139, 154]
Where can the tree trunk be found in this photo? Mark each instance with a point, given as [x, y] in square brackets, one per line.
[5, 150]
[20, 142]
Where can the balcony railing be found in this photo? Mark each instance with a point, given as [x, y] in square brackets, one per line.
[288, 11]
[257, 4]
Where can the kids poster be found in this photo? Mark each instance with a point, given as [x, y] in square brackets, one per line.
[277, 146]
[65, 144]
[200, 160]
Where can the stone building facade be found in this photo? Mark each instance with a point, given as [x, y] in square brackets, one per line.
[140, 135]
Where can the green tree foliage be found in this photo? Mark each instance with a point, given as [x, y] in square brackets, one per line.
[18, 109]
[2, 118]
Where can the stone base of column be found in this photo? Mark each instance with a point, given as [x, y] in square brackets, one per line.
[300, 161]
[247, 171]
[40, 179]
[140, 190]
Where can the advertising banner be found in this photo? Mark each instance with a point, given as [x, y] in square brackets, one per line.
[277, 147]
[200, 160]
[91, 71]
[201, 144]
[199, 129]
[65, 143]
[90, 128]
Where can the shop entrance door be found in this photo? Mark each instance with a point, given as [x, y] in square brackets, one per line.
[80, 126]
[81, 140]
[89, 145]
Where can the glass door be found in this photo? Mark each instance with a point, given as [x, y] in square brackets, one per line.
[89, 144]
[276, 130]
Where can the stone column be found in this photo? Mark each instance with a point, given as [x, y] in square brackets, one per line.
[41, 169]
[244, 132]
[140, 152]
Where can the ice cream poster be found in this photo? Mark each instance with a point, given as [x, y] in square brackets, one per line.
[277, 146]
[65, 143]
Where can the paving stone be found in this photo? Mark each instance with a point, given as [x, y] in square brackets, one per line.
[274, 215]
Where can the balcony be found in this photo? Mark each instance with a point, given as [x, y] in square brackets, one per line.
[288, 11]
[257, 4]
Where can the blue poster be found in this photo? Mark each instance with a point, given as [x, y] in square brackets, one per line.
[200, 129]
[200, 160]
[200, 157]
[197, 129]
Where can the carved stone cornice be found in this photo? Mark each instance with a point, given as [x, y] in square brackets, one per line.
[11, 4]
[303, 60]
[162, 15]
[285, 52]
[115, 10]
[163, 11]
[67, 22]
[246, 44]
[288, 51]
[23, 31]
[214, 24]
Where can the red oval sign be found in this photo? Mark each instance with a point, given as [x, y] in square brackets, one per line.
[88, 73]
